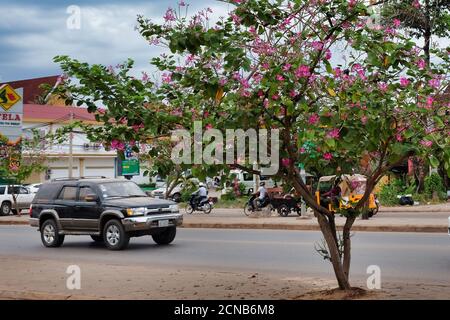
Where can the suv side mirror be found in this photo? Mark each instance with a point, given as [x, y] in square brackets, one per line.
[91, 198]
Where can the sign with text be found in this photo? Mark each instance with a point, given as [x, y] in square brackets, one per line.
[11, 112]
[130, 167]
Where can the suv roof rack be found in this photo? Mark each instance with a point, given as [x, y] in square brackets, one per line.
[79, 178]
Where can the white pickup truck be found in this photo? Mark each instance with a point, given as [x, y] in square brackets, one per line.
[23, 198]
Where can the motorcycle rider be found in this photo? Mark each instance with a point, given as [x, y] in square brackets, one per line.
[200, 195]
[262, 196]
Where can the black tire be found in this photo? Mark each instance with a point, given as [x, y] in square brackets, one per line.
[5, 208]
[97, 238]
[176, 197]
[284, 210]
[248, 210]
[207, 207]
[165, 237]
[189, 209]
[114, 235]
[49, 234]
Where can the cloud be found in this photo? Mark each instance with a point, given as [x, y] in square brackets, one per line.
[32, 35]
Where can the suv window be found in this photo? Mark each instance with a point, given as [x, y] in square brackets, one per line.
[2, 190]
[18, 190]
[47, 191]
[84, 191]
[68, 193]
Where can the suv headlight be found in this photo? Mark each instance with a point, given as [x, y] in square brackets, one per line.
[136, 211]
[174, 208]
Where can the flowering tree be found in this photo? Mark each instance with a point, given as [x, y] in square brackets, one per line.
[347, 95]
[19, 160]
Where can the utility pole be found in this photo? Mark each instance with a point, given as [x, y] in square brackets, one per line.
[71, 149]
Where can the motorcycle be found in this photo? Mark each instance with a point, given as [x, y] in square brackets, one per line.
[250, 208]
[205, 205]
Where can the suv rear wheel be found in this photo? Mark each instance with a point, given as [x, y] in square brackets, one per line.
[115, 236]
[5, 209]
[49, 234]
[165, 237]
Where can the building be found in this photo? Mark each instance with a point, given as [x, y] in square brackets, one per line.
[88, 159]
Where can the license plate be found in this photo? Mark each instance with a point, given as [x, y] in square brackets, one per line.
[163, 223]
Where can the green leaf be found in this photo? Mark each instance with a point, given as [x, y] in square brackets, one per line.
[434, 161]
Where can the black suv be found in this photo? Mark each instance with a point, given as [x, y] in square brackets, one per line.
[109, 210]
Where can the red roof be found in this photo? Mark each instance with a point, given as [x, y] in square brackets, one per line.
[31, 86]
[46, 113]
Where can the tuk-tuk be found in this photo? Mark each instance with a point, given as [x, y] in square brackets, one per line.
[342, 191]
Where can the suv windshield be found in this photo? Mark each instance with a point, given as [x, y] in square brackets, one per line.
[121, 190]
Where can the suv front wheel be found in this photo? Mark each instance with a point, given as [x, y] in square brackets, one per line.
[49, 234]
[115, 236]
[165, 237]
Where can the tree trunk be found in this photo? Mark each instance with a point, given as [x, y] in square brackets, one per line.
[347, 245]
[341, 277]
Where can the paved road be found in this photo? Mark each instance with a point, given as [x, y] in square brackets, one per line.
[401, 256]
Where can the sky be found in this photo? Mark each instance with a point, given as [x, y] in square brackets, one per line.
[32, 32]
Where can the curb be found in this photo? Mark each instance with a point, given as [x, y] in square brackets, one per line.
[275, 226]
[280, 226]
[35, 295]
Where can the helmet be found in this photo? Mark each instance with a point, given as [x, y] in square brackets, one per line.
[201, 184]
[262, 184]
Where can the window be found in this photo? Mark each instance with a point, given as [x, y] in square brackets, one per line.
[248, 176]
[68, 193]
[16, 190]
[84, 191]
[23, 190]
[2, 190]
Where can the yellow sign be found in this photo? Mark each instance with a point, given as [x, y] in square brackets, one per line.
[8, 97]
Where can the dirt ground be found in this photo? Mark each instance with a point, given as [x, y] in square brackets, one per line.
[46, 279]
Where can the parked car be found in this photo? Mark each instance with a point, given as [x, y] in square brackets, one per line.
[248, 179]
[109, 210]
[34, 188]
[175, 194]
[24, 197]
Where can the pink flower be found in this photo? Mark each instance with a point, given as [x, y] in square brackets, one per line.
[293, 93]
[404, 82]
[144, 76]
[286, 162]
[287, 67]
[302, 72]
[167, 77]
[245, 93]
[182, 3]
[364, 119]
[434, 83]
[208, 126]
[302, 150]
[236, 19]
[314, 119]
[383, 86]
[280, 77]
[223, 82]
[337, 72]
[275, 97]
[138, 127]
[416, 4]
[430, 101]
[170, 15]
[334, 134]
[399, 137]
[327, 156]
[317, 45]
[426, 143]
[117, 145]
[421, 64]
[266, 103]
[397, 23]
[328, 55]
